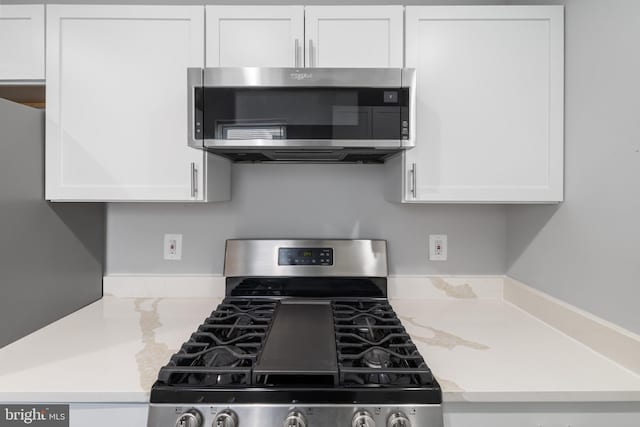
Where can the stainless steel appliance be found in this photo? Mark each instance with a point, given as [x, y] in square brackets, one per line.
[302, 114]
[304, 338]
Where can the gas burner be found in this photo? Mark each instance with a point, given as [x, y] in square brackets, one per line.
[365, 320]
[218, 357]
[225, 347]
[376, 358]
[242, 321]
[374, 348]
[389, 337]
[222, 356]
[364, 324]
[239, 312]
[239, 326]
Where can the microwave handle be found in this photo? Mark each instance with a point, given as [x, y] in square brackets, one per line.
[296, 53]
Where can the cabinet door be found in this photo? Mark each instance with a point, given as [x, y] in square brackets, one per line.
[254, 36]
[489, 104]
[116, 119]
[353, 36]
[22, 42]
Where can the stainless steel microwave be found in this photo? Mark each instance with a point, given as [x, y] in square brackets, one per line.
[302, 114]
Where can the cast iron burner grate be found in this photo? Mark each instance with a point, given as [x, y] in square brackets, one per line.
[374, 349]
[223, 351]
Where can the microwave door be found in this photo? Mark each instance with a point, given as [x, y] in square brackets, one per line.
[298, 114]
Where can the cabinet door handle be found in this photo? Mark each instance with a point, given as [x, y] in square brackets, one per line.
[194, 180]
[312, 62]
[413, 180]
[296, 51]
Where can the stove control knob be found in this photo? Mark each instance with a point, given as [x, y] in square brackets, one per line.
[398, 419]
[362, 419]
[191, 418]
[225, 418]
[295, 419]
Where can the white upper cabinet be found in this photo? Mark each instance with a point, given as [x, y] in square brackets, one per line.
[22, 42]
[353, 36]
[255, 36]
[489, 104]
[116, 118]
[297, 36]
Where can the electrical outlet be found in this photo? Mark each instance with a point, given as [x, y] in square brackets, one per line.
[437, 247]
[173, 247]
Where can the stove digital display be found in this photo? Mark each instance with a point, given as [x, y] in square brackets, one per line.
[305, 256]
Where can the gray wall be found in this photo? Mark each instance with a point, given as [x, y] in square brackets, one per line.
[271, 200]
[587, 250]
[51, 255]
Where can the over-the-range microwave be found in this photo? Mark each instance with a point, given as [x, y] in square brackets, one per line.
[302, 114]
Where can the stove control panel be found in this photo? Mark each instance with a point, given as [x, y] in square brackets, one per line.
[305, 256]
[285, 415]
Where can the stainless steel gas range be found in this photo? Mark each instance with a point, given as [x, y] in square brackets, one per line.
[304, 338]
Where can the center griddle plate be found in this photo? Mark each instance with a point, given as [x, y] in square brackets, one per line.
[301, 347]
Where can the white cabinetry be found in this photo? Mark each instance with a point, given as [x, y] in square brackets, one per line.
[255, 36]
[116, 120]
[22, 42]
[489, 105]
[311, 36]
[353, 36]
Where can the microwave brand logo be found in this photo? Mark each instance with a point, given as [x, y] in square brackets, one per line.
[54, 415]
[301, 76]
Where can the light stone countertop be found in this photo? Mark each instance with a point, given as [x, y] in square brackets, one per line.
[481, 350]
[491, 351]
[109, 351]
